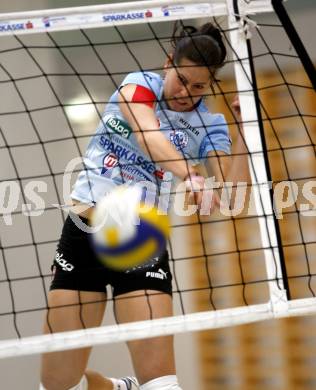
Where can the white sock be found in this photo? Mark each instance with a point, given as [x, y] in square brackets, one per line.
[168, 382]
[82, 385]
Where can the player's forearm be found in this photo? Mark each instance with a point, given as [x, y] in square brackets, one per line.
[162, 152]
[238, 169]
[231, 169]
[144, 123]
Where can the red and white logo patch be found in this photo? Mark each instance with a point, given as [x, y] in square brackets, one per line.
[110, 161]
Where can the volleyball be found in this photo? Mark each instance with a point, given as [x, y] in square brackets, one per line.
[126, 231]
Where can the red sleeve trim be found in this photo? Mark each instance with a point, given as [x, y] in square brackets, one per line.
[144, 95]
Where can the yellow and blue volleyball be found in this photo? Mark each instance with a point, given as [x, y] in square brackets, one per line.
[127, 232]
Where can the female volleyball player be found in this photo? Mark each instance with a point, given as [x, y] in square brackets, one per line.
[127, 147]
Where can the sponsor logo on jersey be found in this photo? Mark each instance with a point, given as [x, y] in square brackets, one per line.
[188, 126]
[127, 155]
[123, 16]
[159, 173]
[119, 126]
[63, 263]
[131, 173]
[149, 14]
[179, 139]
[157, 275]
[110, 161]
[15, 26]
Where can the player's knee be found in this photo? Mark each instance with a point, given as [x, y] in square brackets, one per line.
[53, 383]
[168, 382]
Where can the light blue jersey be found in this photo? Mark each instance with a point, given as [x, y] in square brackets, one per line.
[114, 157]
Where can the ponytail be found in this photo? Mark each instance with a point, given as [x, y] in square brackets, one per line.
[203, 46]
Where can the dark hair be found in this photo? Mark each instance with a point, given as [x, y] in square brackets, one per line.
[204, 45]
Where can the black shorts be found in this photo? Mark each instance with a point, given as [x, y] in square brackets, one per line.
[76, 267]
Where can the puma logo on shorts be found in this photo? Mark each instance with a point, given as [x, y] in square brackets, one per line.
[158, 275]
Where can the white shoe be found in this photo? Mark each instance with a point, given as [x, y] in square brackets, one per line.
[131, 382]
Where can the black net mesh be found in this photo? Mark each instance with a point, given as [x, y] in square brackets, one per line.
[54, 87]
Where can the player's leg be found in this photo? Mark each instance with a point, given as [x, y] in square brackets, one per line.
[70, 310]
[76, 301]
[142, 294]
[152, 358]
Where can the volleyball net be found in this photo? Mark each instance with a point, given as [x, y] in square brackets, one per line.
[58, 69]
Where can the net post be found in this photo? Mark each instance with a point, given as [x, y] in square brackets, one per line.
[252, 124]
